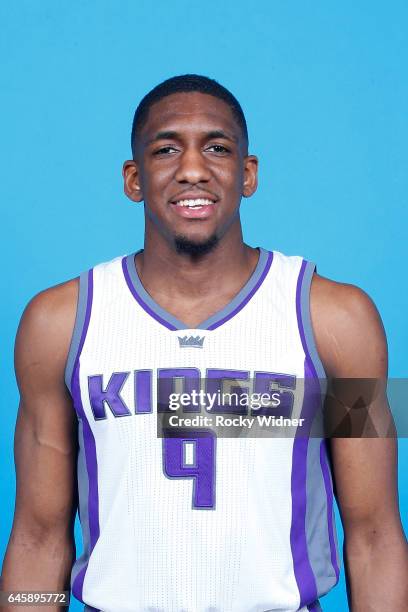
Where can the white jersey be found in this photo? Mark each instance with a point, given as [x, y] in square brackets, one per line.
[204, 523]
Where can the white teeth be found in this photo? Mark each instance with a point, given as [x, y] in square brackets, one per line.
[195, 203]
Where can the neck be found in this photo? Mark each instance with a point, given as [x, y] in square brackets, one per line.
[164, 271]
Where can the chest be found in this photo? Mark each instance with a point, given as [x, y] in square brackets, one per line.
[192, 312]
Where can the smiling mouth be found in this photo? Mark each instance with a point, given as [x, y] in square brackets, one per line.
[195, 203]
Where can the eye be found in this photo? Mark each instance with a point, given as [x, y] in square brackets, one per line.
[217, 148]
[164, 150]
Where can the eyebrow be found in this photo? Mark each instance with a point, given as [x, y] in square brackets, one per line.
[221, 134]
[173, 135]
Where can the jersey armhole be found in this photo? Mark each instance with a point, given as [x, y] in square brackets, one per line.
[82, 317]
[305, 322]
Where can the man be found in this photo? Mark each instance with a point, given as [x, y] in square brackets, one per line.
[198, 523]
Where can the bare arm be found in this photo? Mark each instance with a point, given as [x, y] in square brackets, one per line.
[352, 344]
[41, 548]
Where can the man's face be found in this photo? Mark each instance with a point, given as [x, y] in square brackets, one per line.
[191, 167]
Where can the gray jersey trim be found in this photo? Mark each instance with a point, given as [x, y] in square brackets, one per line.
[83, 491]
[170, 321]
[78, 327]
[307, 324]
[317, 528]
[154, 307]
[251, 284]
[319, 532]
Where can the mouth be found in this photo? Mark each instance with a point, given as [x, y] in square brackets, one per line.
[195, 203]
[194, 207]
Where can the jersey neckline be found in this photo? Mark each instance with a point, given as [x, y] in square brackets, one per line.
[223, 315]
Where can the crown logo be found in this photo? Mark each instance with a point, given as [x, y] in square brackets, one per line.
[192, 341]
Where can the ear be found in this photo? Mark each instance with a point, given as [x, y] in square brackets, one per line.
[131, 178]
[250, 176]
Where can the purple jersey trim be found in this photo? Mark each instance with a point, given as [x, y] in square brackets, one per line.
[142, 303]
[329, 494]
[315, 364]
[248, 295]
[219, 318]
[314, 607]
[90, 451]
[304, 575]
[305, 265]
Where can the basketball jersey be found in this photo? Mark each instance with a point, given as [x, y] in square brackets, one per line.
[210, 524]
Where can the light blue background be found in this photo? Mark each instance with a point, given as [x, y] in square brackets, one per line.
[325, 94]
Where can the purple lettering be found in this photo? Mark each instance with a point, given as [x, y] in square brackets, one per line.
[220, 384]
[202, 469]
[166, 385]
[266, 382]
[98, 396]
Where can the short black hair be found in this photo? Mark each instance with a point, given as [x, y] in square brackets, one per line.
[186, 83]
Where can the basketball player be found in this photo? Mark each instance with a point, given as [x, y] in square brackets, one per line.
[201, 523]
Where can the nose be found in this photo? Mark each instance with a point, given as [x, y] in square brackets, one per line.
[192, 168]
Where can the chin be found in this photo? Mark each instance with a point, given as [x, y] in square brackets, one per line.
[195, 246]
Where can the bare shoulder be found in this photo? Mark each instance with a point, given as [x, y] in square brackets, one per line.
[45, 330]
[349, 333]
[340, 301]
